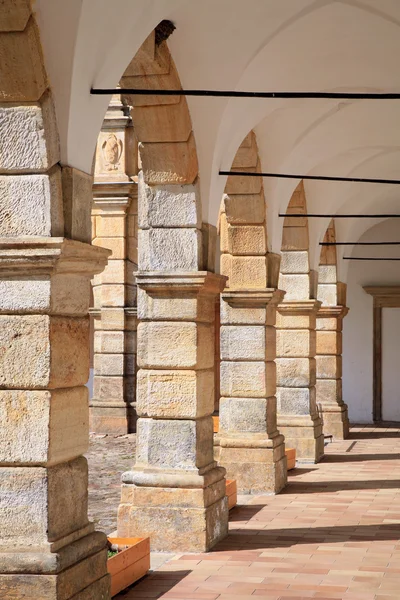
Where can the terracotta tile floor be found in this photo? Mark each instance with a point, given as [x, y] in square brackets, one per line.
[332, 534]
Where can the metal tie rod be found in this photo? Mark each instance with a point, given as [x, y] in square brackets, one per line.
[243, 94]
[359, 243]
[368, 258]
[319, 216]
[311, 177]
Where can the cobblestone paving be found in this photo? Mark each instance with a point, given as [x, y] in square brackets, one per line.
[108, 457]
[333, 534]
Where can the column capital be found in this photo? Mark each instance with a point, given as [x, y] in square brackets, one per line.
[109, 206]
[332, 312]
[198, 282]
[299, 307]
[253, 298]
[50, 256]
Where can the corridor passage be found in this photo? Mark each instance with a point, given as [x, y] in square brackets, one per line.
[332, 534]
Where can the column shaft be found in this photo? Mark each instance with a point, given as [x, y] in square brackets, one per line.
[49, 548]
[250, 446]
[329, 371]
[175, 492]
[298, 418]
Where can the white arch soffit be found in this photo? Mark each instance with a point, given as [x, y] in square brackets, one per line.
[342, 143]
[353, 198]
[326, 46]
[90, 43]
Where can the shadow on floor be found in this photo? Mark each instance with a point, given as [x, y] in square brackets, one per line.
[338, 458]
[318, 487]
[254, 539]
[376, 435]
[155, 583]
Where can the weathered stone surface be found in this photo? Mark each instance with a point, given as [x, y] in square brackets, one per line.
[295, 372]
[80, 578]
[329, 342]
[111, 342]
[109, 295]
[112, 319]
[14, 14]
[114, 272]
[165, 308]
[163, 123]
[169, 205]
[288, 321]
[243, 343]
[327, 274]
[110, 226]
[245, 185]
[31, 205]
[231, 315]
[29, 137]
[294, 236]
[295, 401]
[295, 342]
[109, 364]
[244, 209]
[22, 73]
[244, 271]
[246, 240]
[77, 193]
[43, 504]
[327, 324]
[170, 249]
[329, 391]
[329, 367]
[295, 262]
[43, 427]
[175, 345]
[116, 245]
[246, 415]
[297, 287]
[108, 388]
[166, 163]
[170, 528]
[248, 379]
[175, 394]
[327, 294]
[174, 444]
[42, 351]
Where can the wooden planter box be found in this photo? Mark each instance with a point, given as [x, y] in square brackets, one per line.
[130, 564]
[231, 492]
[291, 458]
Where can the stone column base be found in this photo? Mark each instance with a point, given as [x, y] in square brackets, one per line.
[66, 574]
[336, 421]
[175, 518]
[303, 433]
[257, 469]
[113, 418]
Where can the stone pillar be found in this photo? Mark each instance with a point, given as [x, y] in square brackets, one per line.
[332, 294]
[115, 323]
[249, 445]
[176, 492]
[49, 550]
[114, 226]
[330, 403]
[298, 418]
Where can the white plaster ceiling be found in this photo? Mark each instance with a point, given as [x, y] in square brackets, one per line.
[264, 45]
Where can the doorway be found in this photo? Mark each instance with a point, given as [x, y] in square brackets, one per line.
[390, 364]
